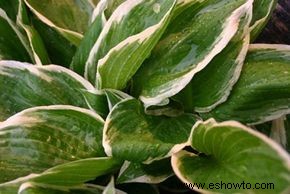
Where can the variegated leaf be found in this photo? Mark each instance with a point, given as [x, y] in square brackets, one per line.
[263, 90]
[68, 174]
[234, 155]
[34, 188]
[42, 137]
[65, 176]
[130, 134]
[89, 39]
[126, 41]
[112, 6]
[23, 85]
[211, 86]
[70, 18]
[153, 173]
[39, 52]
[262, 10]
[115, 96]
[195, 36]
[97, 101]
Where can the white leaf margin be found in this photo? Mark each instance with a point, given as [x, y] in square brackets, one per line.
[35, 71]
[212, 123]
[65, 32]
[108, 149]
[230, 28]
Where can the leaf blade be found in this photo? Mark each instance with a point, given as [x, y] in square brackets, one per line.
[180, 54]
[30, 140]
[262, 90]
[51, 13]
[121, 48]
[233, 154]
[124, 142]
[211, 86]
[24, 86]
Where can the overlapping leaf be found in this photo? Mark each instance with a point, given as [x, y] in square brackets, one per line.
[90, 37]
[66, 176]
[263, 90]
[59, 49]
[232, 153]
[112, 6]
[153, 173]
[42, 137]
[69, 174]
[39, 52]
[97, 101]
[130, 134]
[102, 101]
[70, 18]
[24, 86]
[126, 41]
[191, 41]
[213, 84]
[262, 10]
[13, 45]
[115, 96]
[33, 188]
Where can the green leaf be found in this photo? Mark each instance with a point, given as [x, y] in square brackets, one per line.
[232, 153]
[23, 85]
[125, 42]
[262, 11]
[156, 172]
[39, 52]
[115, 96]
[60, 50]
[33, 188]
[102, 101]
[70, 18]
[13, 45]
[10, 7]
[263, 90]
[192, 40]
[97, 101]
[89, 39]
[66, 176]
[130, 134]
[171, 109]
[213, 84]
[77, 172]
[42, 137]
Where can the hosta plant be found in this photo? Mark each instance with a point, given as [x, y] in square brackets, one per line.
[139, 96]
